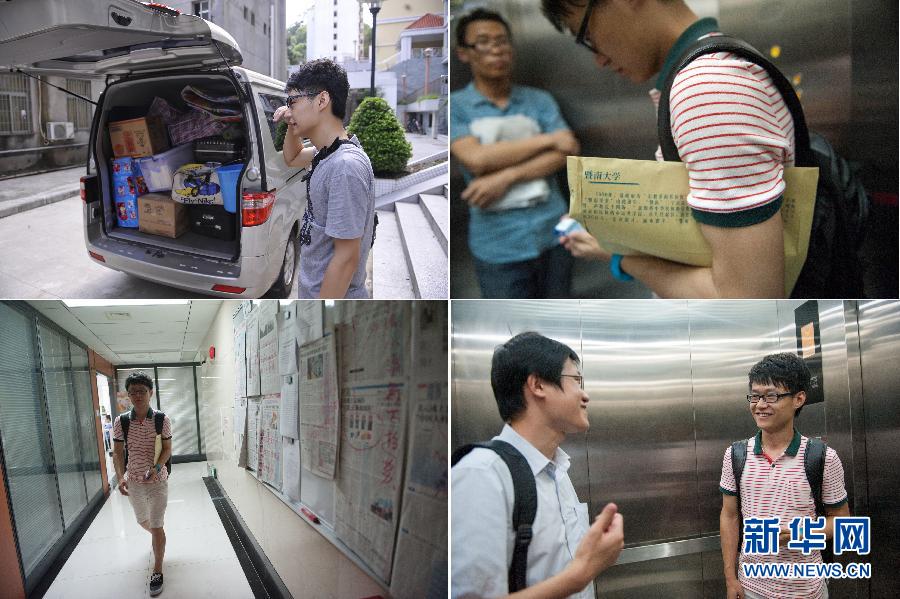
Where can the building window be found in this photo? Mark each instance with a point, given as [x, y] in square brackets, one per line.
[335, 47]
[265, 29]
[253, 19]
[335, 13]
[78, 111]
[201, 9]
[15, 104]
[245, 13]
[335, 36]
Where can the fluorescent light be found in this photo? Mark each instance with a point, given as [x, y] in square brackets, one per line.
[138, 302]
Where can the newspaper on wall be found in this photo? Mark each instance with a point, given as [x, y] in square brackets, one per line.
[270, 380]
[319, 407]
[287, 335]
[252, 436]
[253, 380]
[290, 401]
[270, 441]
[422, 537]
[640, 207]
[239, 324]
[374, 364]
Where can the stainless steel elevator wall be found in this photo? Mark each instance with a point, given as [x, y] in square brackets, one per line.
[667, 381]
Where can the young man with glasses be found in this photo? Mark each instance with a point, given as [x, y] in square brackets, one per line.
[773, 482]
[540, 394]
[144, 478]
[339, 220]
[731, 128]
[509, 140]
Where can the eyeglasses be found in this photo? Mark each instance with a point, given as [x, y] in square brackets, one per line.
[578, 379]
[483, 45]
[580, 39]
[769, 397]
[134, 392]
[291, 99]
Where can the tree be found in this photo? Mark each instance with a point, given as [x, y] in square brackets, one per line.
[381, 135]
[296, 43]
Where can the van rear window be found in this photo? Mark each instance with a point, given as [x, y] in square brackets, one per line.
[270, 104]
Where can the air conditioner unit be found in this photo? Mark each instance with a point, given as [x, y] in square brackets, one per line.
[59, 130]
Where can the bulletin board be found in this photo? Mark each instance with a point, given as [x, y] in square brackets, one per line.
[366, 450]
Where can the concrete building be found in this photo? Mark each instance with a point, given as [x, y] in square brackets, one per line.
[333, 30]
[394, 20]
[45, 128]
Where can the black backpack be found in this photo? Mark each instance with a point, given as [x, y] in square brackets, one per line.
[813, 464]
[833, 267]
[524, 503]
[158, 418]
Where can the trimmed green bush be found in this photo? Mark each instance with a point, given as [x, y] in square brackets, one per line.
[381, 135]
[279, 135]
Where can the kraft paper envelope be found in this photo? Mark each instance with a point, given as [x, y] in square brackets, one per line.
[640, 207]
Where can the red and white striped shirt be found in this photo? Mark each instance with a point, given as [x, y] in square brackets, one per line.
[734, 134]
[780, 489]
[142, 446]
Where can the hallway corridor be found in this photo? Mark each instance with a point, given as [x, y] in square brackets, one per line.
[114, 558]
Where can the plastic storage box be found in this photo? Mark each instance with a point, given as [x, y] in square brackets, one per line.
[228, 179]
[159, 169]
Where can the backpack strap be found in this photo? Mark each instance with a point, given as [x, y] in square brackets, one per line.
[726, 43]
[738, 460]
[524, 504]
[124, 422]
[814, 465]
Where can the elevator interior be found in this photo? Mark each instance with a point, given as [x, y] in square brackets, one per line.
[667, 381]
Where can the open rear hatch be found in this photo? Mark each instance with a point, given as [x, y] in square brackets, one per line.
[97, 38]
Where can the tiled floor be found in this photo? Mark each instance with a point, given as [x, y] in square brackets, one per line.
[115, 558]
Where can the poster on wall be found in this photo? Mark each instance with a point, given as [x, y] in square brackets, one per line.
[252, 436]
[270, 441]
[270, 380]
[374, 353]
[253, 388]
[319, 407]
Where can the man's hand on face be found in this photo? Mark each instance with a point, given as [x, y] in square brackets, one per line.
[283, 112]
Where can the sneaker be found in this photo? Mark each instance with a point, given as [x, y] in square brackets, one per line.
[156, 584]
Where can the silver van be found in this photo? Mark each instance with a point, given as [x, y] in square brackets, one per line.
[146, 51]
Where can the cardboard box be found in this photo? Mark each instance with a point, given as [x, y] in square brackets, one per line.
[138, 137]
[160, 215]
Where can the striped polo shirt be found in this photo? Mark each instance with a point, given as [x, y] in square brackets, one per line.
[779, 489]
[733, 132]
[142, 445]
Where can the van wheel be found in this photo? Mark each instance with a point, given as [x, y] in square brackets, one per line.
[282, 286]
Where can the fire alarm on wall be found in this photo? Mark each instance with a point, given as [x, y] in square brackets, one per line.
[212, 352]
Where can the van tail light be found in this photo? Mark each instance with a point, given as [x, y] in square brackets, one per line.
[228, 289]
[256, 207]
[97, 256]
[88, 188]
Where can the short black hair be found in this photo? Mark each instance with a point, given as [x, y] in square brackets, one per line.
[523, 355]
[139, 378]
[323, 74]
[556, 11]
[479, 14]
[785, 369]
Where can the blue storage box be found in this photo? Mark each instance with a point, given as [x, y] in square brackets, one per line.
[127, 185]
[228, 180]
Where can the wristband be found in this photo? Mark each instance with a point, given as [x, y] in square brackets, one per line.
[158, 468]
[615, 266]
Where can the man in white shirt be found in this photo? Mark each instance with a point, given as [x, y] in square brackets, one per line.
[540, 394]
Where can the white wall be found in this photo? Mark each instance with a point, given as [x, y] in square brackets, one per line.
[320, 30]
[309, 565]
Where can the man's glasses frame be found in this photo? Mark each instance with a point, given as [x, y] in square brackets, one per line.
[291, 99]
[137, 392]
[769, 398]
[485, 46]
[579, 378]
[581, 38]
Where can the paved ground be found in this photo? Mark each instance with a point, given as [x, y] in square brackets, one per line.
[42, 255]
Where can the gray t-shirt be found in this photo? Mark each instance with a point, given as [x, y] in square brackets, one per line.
[342, 188]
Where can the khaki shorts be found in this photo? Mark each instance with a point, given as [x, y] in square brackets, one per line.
[149, 502]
